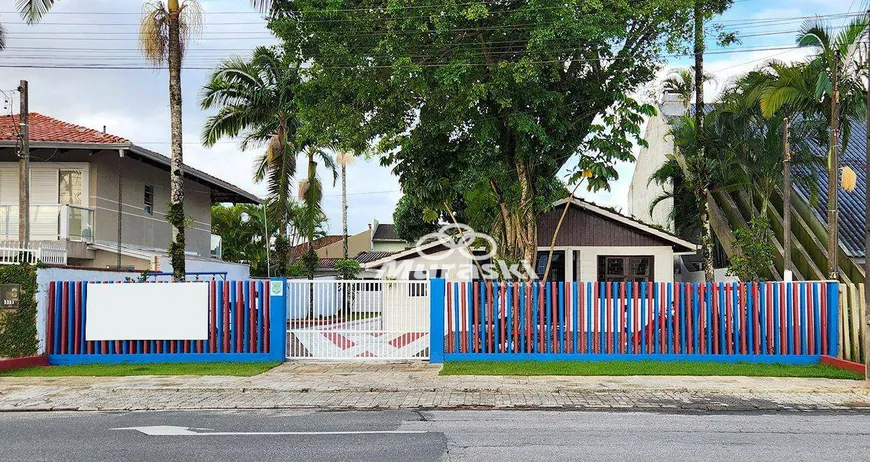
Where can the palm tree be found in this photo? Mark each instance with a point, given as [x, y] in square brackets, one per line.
[686, 210]
[681, 81]
[807, 89]
[311, 189]
[163, 35]
[701, 171]
[344, 159]
[256, 102]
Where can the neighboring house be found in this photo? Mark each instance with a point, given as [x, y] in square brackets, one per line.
[641, 192]
[594, 244]
[319, 244]
[385, 239]
[732, 210]
[78, 177]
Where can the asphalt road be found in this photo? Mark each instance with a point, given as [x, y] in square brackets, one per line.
[419, 436]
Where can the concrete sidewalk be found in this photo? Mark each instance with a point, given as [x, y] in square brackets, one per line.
[418, 386]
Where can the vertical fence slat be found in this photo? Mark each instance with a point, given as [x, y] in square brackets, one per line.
[823, 321]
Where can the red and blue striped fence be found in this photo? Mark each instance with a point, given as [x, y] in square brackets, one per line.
[246, 323]
[793, 322]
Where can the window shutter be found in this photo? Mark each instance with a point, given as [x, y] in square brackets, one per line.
[44, 212]
[9, 186]
[43, 186]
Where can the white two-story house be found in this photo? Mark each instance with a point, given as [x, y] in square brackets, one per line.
[91, 191]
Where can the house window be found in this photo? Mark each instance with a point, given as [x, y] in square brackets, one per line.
[417, 289]
[624, 269]
[557, 269]
[149, 199]
[70, 187]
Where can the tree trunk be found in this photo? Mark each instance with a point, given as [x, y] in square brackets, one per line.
[528, 243]
[344, 209]
[707, 242]
[833, 170]
[699, 70]
[176, 185]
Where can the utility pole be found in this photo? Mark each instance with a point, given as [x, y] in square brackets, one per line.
[707, 241]
[24, 166]
[120, 201]
[867, 231]
[786, 197]
[833, 174]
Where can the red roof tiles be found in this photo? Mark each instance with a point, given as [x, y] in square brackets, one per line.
[44, 128]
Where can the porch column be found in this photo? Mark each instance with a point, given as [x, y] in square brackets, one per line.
[569, 264]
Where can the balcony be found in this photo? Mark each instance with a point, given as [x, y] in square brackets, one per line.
[50, 223]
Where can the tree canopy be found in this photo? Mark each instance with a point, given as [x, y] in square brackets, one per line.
[487, 99]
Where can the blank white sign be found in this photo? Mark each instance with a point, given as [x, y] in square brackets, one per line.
[138, 311]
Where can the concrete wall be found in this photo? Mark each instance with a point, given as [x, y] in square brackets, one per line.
[46, 275]
[104, 259]
[649, 159]
[389, 246]
[357, 243]
[138, 227]
[235, 271]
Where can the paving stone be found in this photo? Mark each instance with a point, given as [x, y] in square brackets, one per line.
[418, 386]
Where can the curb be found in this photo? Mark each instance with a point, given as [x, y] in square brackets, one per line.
[22, 363]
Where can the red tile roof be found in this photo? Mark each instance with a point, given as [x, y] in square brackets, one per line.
[44, 128]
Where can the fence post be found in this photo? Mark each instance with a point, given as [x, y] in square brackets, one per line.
[833, 318]
[278, 318]
[437, 289]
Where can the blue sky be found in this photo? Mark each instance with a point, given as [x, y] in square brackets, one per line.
[133, 103]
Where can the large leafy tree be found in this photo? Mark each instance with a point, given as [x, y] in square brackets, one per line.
[483, 97]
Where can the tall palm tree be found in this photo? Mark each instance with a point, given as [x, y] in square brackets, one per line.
[344, 159]
[256, 101]
[311, 188]
[163, 35]
[701, 171]
[807, 89]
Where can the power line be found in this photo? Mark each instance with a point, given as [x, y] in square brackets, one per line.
[423, 65]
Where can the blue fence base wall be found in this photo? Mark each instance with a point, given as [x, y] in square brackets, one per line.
[70, 360]
[509, 357]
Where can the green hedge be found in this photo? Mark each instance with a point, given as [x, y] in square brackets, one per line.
[18, 327]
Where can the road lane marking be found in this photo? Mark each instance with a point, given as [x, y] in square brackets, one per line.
[168, 430]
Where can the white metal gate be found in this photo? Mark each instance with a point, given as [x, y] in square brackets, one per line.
[331, 319]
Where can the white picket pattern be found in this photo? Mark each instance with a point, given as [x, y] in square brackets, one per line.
[357, 320]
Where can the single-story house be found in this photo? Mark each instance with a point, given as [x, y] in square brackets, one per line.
[594, 244]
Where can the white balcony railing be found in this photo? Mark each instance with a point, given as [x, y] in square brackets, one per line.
[13, 253]
[50, 223]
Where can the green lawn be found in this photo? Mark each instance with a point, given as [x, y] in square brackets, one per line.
[120, 370]
[617, 368]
